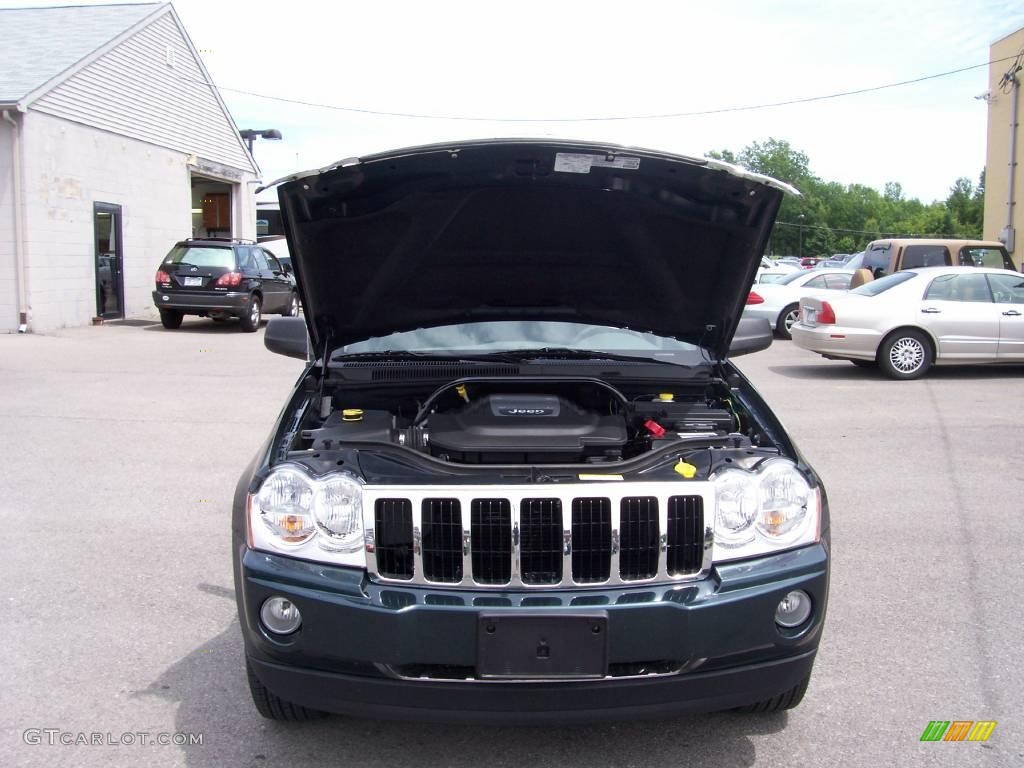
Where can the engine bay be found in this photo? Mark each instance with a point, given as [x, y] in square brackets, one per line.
[525, 421]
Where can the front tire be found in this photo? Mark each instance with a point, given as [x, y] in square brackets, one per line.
[787, 317]
[253, 314]
[274, 707]
[171, 318]
[905, 355]
[788, 700]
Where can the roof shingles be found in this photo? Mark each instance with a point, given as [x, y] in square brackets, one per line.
[41, 43]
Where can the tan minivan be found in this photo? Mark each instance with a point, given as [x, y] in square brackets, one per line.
[883, 257]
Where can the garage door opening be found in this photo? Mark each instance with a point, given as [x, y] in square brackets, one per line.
[212, 204]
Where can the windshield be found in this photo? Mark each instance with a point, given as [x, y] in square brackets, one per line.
[883, 284]
[508, 335]
[210, 256]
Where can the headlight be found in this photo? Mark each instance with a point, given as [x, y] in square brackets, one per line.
[309, 518]
[338, 510]
[764, 511]
[284, 505]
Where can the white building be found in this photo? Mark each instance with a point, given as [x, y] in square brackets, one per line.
[114, 144]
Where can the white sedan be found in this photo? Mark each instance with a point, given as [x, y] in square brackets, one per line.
[779, 301]
[907, 321]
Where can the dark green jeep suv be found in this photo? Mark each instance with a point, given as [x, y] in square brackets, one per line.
[519, 478]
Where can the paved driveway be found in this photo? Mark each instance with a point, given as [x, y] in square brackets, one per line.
[121, 445]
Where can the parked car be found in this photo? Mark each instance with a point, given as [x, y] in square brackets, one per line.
[775, 274]
[488, 497]
[913, 319]
[809, 262]
[792, 260]
[770, 270]
[883, 257]
[839, 260]
[222, 279]
[779, 302]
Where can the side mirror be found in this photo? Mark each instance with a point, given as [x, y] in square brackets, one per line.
[752, 335]
[287, 336]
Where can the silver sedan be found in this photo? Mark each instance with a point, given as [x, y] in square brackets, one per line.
[908, 321]
[779, 300]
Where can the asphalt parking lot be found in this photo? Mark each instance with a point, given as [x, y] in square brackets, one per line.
[121, 446]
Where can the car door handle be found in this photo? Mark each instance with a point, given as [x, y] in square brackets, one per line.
[1012, 313]
[931, 311]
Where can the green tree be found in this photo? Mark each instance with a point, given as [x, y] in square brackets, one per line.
[832, 217]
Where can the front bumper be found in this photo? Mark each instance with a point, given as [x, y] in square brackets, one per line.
[232, 302]
[713, 643]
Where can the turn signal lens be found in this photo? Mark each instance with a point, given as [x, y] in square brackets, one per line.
[162, 277]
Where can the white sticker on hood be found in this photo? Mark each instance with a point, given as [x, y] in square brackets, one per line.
[571, 162]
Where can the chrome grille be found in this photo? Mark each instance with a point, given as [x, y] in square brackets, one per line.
[491, 537]
[540, 541]
[442, 540]
[591, 540]
[685, 522]
[638, 536]
[596, 534]
[393, 518]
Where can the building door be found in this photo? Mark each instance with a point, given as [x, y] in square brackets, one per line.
[107, 242]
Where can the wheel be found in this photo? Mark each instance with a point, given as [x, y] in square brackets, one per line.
[788, 700]
[864, 363]
[292, 307]
[253, 313]
[787, 317]
[906, 354]
[171, 318]
[275, 708]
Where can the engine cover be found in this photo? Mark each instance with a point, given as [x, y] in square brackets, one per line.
[532, 429]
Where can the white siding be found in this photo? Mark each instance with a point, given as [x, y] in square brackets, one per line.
[8, 290]
[68, 167]
[131, 90]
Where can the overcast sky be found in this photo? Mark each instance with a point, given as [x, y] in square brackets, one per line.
[559, 59]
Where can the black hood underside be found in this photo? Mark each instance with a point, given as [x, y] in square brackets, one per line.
[512, 230]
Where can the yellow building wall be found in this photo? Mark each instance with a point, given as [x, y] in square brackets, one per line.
[997, 169]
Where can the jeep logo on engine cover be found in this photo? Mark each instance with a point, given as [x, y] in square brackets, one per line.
[526, 411]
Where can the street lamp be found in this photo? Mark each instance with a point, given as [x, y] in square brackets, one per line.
[801, 246]
[268, 133]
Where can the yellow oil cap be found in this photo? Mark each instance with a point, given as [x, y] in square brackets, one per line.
[461, 390]
[686, 470]
[666, 397]
[352, 414]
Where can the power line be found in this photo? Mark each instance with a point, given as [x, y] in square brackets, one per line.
[608, 118]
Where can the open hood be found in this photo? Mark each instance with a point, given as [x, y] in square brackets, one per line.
[527, 230]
